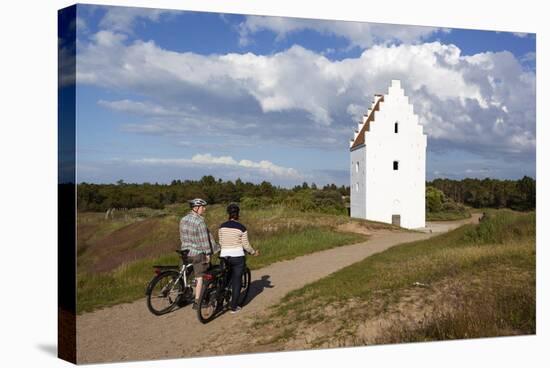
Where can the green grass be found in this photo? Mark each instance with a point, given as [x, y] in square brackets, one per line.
[281, 233]
[447, 216]
[502, 303]
[116, 242]
[500, 252]
[289, 245]
[128, 282]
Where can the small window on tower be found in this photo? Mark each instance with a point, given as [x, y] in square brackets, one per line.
[396, 127]
[357, 166]
[356, 187]
[396, 165]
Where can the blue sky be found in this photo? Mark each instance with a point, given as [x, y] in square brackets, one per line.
[165, 95]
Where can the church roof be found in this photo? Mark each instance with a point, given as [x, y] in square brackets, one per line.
[360, 139]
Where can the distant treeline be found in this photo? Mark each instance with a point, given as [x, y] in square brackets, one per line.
[515, 194]
[100, 197]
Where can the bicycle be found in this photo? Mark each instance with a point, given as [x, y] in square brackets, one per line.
[216, 290]
[172, 286]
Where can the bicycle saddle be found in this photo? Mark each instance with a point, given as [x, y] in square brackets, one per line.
[183, 253]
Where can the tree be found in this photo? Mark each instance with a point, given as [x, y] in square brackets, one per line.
[207, 180]
[265, 189]
[527, 188]
[434, 199]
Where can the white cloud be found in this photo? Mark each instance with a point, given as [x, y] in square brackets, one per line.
[301, 97]
[294, 79]
[356, 33]
[477, 171]
[356, 111]
[81, 25]
[143, 108]
[207, 160]
[67, 64]
[528, 57]
[123, 19]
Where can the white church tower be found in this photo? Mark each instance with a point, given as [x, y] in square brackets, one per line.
[388, 163]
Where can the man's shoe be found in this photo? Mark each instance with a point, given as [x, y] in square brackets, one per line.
[195, 305]
[236, 310]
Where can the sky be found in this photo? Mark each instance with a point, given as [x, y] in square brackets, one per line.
[165, 95]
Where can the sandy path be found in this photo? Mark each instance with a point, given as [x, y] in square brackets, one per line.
[130, 332]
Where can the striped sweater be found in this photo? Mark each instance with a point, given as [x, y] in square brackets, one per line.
[233, 238]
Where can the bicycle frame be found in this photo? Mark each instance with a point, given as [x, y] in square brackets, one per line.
[182, 273]
[174, 282]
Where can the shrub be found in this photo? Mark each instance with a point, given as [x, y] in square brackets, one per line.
[325, 201]
[251, 203]
[441, 207]
[434, 199]
[328, 201]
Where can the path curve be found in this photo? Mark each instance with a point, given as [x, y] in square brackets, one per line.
[129, 331]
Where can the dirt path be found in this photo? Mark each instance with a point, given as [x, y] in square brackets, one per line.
[130, 332]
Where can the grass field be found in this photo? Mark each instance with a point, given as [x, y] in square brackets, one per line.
[476, 281]
[447, 216]
[115, 255]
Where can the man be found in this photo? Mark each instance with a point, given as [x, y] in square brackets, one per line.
[195, 236]
[234, 242]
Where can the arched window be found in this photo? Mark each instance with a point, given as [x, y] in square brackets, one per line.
[396, 165]
[396, 127]
[357, 166]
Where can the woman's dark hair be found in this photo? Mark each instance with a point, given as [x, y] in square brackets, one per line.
[233, 211]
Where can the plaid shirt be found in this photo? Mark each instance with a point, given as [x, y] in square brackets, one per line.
[194, 235]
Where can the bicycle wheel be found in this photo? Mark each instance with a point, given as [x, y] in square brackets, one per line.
[164, 293]
[245, 286]
[208, 302]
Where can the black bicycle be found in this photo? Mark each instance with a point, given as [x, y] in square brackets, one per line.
[216, 290]
[172, 286]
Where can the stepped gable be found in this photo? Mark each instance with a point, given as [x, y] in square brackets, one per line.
[364, 126]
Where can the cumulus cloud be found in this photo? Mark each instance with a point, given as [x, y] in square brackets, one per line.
[124, 19]
[67, 63]
[207, 160]
[81, 25]
[144, 108]
[359, 34]
[482, 103]
[528, 57]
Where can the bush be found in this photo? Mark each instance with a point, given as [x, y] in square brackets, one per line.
[251, 203]
[301, 200]
[325, 201]
[434, 199]
[328, 201]
[441, 207]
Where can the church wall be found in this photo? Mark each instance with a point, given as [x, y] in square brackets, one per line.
[387, 191]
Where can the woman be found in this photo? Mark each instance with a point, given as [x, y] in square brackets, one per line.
[234, 242]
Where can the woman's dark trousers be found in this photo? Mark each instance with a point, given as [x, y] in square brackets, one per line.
[237, 268]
